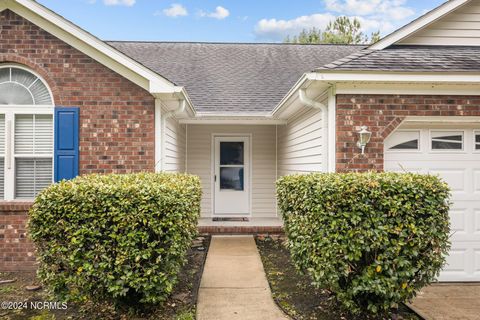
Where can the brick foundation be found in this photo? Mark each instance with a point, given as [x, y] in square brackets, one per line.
[16, 250]
[383, 114]
[240, 230]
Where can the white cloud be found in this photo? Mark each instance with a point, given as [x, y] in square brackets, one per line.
[277, 30]
[219, 13]
[127, 3]
[175, 10]
[374, 15]
[273, 29]
[386, 9]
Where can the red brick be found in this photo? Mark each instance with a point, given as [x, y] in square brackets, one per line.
[389, 112]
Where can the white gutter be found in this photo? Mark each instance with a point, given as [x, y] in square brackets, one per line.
[233, 121]
[300, 83]
[394, 77]
[302, 94]
[168, 115]
[306, 101]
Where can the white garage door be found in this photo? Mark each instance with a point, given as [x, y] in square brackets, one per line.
[454, 154]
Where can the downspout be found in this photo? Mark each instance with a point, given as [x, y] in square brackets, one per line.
[168, 115]
[186, 147]
[306, 101]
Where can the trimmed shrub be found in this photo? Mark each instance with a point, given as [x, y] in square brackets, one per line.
[372, 239]
[116, 238]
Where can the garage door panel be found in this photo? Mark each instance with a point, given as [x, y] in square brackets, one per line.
[464, 225]
[461, 264]
[458, 222]
[461, 170]
[455, 178]
[477, 263]
[457, 261]
[476, 181]
[403, 169]
[476, 222]
[403, 166]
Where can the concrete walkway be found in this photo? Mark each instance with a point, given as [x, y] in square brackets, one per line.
[449, 302]
[234, 285]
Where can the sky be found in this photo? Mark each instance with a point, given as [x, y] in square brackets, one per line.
[230, 21]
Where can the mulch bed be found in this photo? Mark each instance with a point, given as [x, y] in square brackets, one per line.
[294, 293]
[180, 306]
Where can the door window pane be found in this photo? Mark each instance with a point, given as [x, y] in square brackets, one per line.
[477, 141]
[447, 140]
[231, 153]
[232, 178]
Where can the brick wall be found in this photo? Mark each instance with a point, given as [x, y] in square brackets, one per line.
[116, 119]
[116, 116]
[382, 114]
[16, 251]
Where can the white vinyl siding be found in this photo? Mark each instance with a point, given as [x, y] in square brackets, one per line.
[174, 146]
[199, 162]
[301, 147]
[461, 27]
[33, 141]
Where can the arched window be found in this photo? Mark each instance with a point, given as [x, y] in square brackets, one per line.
[26, 133]
[21, 87]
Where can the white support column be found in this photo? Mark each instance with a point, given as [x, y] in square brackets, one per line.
[332, 148]
[158, 135]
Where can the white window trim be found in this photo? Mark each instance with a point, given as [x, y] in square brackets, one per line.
[464, 140]
[39, 78]
[474, 141]
[10, 111]
[420, 143]
[10, 156]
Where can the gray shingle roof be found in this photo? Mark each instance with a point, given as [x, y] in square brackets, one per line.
[411, 58]
[233, 78]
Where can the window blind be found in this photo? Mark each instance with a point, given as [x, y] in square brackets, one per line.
[2, 156]
[33, 134]
[33, 154]
[32, 175]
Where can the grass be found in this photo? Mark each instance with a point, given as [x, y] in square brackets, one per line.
[7, 289]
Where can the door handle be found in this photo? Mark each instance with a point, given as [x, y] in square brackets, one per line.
[215, 178]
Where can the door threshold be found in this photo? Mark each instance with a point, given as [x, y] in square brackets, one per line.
[231, 219]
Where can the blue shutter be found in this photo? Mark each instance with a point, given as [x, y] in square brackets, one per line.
[66, 143]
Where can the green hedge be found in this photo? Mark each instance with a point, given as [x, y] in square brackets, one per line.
[373, 239]
[118, 238]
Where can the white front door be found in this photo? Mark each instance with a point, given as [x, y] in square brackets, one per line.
[454, 154]
[232, 176]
